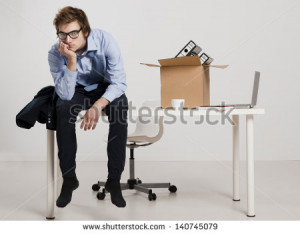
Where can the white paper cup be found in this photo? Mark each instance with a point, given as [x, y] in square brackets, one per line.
[177, 103]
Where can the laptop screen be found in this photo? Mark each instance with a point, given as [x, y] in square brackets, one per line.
[255, 89]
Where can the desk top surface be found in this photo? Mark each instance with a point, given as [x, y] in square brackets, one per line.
[196, 111]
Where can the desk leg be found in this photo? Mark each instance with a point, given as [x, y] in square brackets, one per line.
[236, 159]
[50, 175]
[250, 165]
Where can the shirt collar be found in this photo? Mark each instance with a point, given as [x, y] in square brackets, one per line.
[91, 44]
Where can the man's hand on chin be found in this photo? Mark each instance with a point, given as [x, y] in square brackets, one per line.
[91, 117]
[64, 49]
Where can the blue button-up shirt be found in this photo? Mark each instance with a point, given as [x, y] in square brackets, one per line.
[100, 63]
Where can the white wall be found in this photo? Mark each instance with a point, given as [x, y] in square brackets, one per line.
[248, 35]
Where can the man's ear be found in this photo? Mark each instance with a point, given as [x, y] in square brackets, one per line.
[86, 34]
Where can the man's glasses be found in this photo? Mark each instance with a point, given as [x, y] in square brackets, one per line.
[74, 34]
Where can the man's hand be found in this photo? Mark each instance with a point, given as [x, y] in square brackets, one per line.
[64, 50]
[91, 117]
[72, 57]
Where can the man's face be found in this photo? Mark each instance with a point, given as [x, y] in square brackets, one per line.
[75, 45]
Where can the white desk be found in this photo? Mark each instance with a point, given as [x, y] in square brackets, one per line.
[235, 113]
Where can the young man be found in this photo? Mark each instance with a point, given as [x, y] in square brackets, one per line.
[88, 73]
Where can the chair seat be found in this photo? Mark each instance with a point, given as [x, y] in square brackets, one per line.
[142, 139]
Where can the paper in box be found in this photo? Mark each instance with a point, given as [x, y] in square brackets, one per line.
[184, 78]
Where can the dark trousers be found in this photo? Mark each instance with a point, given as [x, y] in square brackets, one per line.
[67, 112]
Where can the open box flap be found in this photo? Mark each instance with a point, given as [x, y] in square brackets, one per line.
[217, 66]
[150, 65]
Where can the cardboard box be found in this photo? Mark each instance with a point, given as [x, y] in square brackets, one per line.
[184, 78]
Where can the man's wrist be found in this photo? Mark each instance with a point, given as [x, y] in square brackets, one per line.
[72, 64]
[101, 103]
[72, 59]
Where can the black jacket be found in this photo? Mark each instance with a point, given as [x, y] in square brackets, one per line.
[42, 108]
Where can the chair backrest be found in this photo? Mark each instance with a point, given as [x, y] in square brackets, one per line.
[149, 125]
[152, 103]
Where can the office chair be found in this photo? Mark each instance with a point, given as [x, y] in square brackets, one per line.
[146, 133]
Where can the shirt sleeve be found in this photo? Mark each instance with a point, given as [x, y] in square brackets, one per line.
[115, 71]
[64, 79]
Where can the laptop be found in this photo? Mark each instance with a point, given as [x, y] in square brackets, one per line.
[254, 96]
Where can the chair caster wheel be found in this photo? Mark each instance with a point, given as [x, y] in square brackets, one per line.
[100, 196]
[173, 189]
[152, 197]
[96, 187]
[138, 181]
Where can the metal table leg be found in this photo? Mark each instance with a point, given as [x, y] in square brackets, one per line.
[236, 159]
[50, 175]
[250, 165]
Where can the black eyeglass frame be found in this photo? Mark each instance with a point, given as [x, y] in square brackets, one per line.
[68, 34]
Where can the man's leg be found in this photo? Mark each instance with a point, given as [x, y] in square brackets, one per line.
[67, 112]
[116, 147]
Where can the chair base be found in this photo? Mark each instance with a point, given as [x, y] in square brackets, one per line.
[135, 184]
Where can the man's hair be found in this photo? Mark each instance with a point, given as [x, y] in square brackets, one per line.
[69, 14]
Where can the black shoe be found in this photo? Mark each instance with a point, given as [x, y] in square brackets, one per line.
[114, 188]
[68, 186]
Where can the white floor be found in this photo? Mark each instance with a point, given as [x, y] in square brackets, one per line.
[204, 192]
